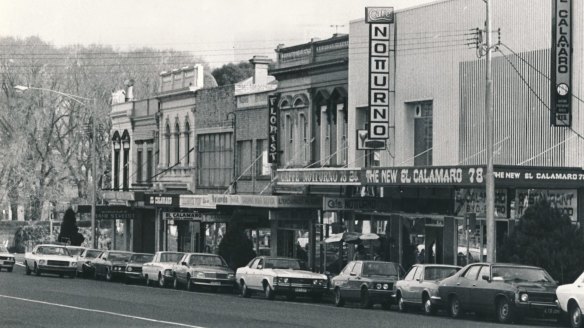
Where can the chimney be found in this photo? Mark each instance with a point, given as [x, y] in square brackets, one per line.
[129, 86]
[260, 69]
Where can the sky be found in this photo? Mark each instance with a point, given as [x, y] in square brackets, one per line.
[219, 31]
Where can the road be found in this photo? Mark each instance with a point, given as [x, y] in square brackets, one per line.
[50, 301]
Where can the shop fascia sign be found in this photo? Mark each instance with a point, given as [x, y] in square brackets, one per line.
[211, 201]
[192, 216]
[118, 195]
[342, 204]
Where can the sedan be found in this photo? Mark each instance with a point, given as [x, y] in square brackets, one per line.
[134, 266]
[571, 300]
[6, 259]
[420, 286]
[198, 269]
[159, 270]
[111, 264]
[85, 262]
[280, 275]
[368, 282]
[510, 291]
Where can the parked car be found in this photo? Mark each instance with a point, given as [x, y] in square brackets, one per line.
[199, 269]
[6, 259]
[47, 258]
[160, 268]
[85, 262]
[280, 275]
[111, 265]
[511, 291]
[368, 282]
[571, 301]
[420, 286]
[134, 266]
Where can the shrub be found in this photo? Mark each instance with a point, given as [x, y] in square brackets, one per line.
[546, 238]
[235, 247]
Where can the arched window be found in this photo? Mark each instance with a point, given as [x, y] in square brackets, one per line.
[187, 143]
[167, 146]
[177, 143]
[304, 146]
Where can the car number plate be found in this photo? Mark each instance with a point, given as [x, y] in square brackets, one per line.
[215, 283]
[301, 290]
[551, 311]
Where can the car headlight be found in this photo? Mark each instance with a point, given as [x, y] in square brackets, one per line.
[281, 280]
[129, 269]
[523, 297]
[230, 276]
[42, 262]
[378, 286]
[385, 286]
[168, 272]
[200, 275]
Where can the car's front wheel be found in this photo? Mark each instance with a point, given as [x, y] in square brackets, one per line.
[339, 301]
[108, 275]
[244, 290]
[505, 311]
[454, 307]
[175, 283]
[9, 269]
[365, 300]
[37, 271]
[575, 316]
[190, 286]
[401, 305]
[429, 309]
[161, 280]
[268, 291]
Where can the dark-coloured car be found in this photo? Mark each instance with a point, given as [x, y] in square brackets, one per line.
[85, 262]
[420, 286]
[511, 291]
[200, 269]
[111, 265]
[368, 282]
[134, 266]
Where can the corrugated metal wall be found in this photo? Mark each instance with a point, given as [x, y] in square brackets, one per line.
[523, 135]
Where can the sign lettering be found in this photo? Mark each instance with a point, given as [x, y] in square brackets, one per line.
[561, 63]
[273, 129]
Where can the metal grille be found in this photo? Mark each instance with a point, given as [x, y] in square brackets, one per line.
[5, 258]
[216, 275]
[301, 281]
[542, 297]
[58, 263]
[136, 269]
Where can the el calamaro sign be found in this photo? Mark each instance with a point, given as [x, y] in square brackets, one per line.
[561, 63]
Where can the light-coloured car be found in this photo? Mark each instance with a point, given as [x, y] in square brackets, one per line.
[200, 269]
[48, 258]
[134, 267]
[280, 275]
[419, 287]
[160, 269]
[6, 259]
[571, 300]
[85, 262]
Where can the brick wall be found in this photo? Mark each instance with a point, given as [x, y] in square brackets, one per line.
[252, 124]
[212, 106]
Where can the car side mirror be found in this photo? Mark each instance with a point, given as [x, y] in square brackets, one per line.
[352, 274]
[418, 279]
[486, 278]
[260, 267]
[184, 263]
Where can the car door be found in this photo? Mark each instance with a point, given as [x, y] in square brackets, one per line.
[342, 280]
[354, 281]
[416, 286]
[406, 284]
[482, 293]
[250, 273]
[578, 291]
[98, 264]
[147, 267]
[465, 284]
[180, 270]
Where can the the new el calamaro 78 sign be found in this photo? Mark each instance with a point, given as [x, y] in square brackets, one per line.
[379, 20]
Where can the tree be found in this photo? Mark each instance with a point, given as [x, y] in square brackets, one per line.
[235, 247]
[546, 238]
[232, 73]
[69, 230]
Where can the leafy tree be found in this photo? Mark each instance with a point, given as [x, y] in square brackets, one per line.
[232, 73]
[235, 247]
[69, 230]
[546, 238]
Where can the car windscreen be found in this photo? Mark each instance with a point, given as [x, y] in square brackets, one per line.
[207, 260]
[92, 254]
[521, 274]
[141, 258]
[75, 251]
[51, 250]
[170, 257]
[283, 264]
[118, 257]
[380, 269]
[438, 273]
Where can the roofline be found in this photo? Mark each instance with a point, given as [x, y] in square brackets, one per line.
[436, 2]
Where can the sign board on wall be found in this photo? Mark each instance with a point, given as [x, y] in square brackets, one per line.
[273, 125]
[564, 199]
[342, 204]
[561, 63]
[473, 200]
[379, 20]
[193, 216]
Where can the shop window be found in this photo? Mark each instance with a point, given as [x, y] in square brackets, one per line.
[139, 165]
[149, 164]
[303, 125]
[423, 133]
[244, 150]
[187, 143]
[177, 144]
[262, 166]
[116, 168]
[167, 146]
[343, 131]
[214, 159]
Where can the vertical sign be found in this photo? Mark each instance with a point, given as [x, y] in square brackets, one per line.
[561, 93]
[379, 20]
[273, 129]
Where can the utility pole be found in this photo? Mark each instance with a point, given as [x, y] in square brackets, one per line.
[94, 174]
[489, 116]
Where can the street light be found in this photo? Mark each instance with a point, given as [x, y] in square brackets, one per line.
[22, 88]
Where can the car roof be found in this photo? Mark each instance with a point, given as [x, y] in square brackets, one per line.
[371, 261]
[121, 252]
[438, 265]
[169, 252]
[51, 245]
[277, 258]
[503, 264]
[142, 254]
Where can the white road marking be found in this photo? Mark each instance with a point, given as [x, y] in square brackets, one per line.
[20, 264]
[102, 312]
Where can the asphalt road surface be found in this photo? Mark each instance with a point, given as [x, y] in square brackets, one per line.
[50, 301]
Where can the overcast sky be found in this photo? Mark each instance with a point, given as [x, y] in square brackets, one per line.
[220, 31]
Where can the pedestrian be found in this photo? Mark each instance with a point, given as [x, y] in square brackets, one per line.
[422, 256]
[361, 254]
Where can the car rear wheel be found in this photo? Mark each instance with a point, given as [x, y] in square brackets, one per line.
[505, 311]
[429, 309]
[575, 316]
[365, 300]
[161, 281]
[175, 283]
[339, 301]
[454, 307]
[244, 290]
